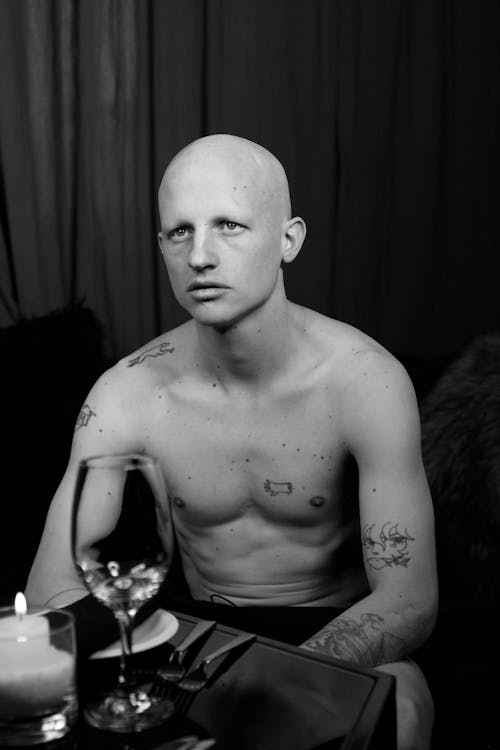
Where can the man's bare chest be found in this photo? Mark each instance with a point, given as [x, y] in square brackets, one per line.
[278, 463]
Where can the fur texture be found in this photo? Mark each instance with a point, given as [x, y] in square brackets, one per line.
[461, 451]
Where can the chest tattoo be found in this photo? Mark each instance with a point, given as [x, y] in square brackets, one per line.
[278, 488]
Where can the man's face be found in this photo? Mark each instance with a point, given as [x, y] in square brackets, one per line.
[221, 238]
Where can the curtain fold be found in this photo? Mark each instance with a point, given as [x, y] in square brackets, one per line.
[384, 114]
[37, 141]
[115, 239]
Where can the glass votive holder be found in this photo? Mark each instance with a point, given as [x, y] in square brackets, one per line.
[38, 698]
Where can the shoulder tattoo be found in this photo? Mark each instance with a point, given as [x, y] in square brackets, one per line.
[155, 351]
[387, 547]
[84, 417]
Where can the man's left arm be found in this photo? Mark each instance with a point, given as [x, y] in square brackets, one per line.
[382, 426]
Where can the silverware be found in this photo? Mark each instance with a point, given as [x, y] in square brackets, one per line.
[188, 743]
[198, 677]
[176, 666]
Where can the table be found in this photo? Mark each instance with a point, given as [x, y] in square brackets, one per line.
[275, 696]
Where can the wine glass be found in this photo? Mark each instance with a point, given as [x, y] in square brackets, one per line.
[122, 542]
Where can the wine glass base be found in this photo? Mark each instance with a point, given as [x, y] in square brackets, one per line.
[133, 713]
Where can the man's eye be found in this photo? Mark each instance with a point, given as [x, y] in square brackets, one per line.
[178, 234]
[230, 226]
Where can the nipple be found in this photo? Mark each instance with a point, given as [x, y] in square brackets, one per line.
[317, 501]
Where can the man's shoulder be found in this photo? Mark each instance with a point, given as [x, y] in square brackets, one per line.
[368, 385]
[134, 377]
[352, 357]
[165, 353]
[341, 340]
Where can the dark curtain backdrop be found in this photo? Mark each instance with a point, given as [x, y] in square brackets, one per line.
[385, 115]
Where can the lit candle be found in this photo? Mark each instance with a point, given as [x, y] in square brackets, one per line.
[21, 628]
[34, 675]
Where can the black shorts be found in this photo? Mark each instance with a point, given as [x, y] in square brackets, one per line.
[289, 624]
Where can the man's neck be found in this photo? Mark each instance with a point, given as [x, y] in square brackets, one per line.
[251, 353]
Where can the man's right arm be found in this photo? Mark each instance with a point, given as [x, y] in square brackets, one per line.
[104, 425]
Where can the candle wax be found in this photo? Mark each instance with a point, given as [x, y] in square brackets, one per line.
[34, 677]
[28, 626]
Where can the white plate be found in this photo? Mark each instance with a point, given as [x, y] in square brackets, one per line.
[158, 628]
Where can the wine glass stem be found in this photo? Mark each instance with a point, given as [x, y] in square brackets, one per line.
[126, 677]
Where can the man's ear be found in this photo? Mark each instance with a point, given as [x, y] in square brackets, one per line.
[293, 237]
[160, 242]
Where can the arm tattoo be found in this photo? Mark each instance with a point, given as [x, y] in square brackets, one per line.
[278, 488]
[156, 351]
[363, 643]
[388, 548]
[84, 417]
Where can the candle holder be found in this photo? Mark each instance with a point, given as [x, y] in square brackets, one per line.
[38, 699]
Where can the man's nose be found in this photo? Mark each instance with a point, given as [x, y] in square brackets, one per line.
[203, 253]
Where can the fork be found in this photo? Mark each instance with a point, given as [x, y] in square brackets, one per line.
[188, 743]
[198, 677]
[175, 668]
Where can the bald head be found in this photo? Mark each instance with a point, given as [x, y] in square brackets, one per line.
[225, 210]
[252, 168]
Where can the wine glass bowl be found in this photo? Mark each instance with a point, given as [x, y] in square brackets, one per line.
[122, 541]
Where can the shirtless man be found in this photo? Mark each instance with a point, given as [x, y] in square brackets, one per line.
[254, 409]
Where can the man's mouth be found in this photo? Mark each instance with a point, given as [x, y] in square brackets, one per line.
[203, 285]
[195, 285]
[206, 289]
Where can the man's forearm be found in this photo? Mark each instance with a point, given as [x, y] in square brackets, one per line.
[371, 632]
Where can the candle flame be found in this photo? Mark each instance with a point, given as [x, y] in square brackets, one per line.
[20, 605]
